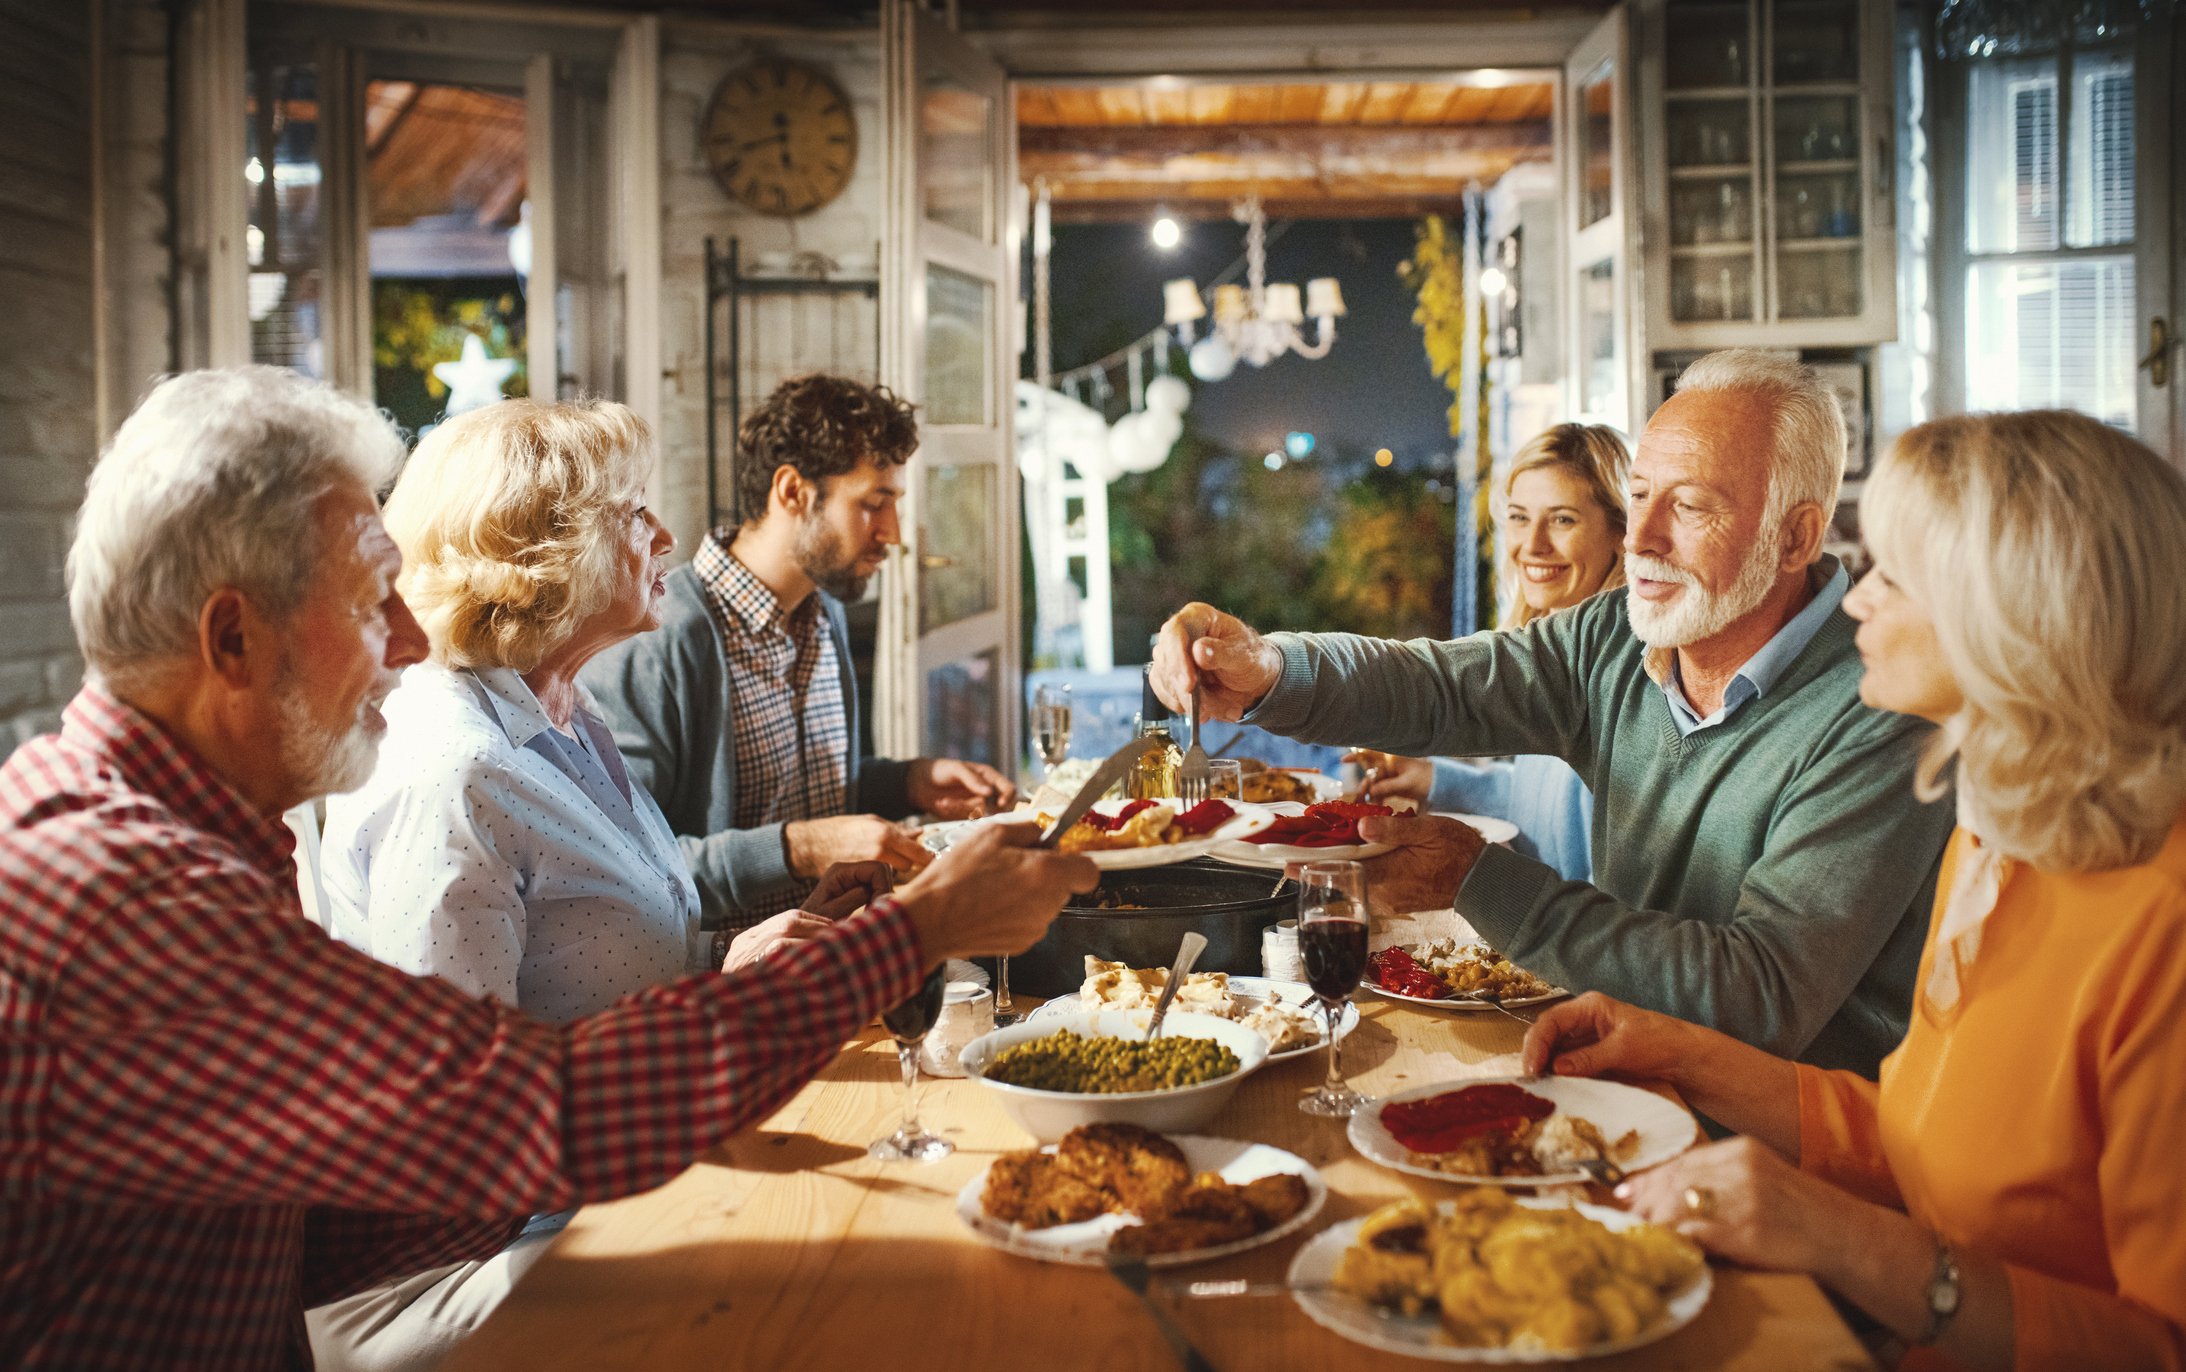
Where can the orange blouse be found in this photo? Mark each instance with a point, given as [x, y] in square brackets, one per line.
[2042, 1121]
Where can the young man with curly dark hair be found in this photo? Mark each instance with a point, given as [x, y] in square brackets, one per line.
[740, 713]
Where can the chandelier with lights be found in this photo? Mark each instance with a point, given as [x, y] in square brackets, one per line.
[1255, 322]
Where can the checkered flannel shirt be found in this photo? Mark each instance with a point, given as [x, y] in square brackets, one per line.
[786, 706]
[213, 1116]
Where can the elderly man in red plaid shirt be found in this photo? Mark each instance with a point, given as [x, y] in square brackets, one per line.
[212, 1115]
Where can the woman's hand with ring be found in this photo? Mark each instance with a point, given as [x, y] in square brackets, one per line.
[1741, 1200]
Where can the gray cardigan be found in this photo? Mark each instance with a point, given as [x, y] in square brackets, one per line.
[666, 696]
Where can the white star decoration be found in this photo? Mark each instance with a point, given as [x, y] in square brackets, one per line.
[476, 380]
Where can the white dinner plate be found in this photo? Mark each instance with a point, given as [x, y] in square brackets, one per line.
[1276, 856]
[1492, 829]
[1296, 993]
[1666, 1128]
[1421, 1336]
[1249, 819]
[1460, 1003]
[1086, 1244]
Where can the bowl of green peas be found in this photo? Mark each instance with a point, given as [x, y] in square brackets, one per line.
[1054, 1074]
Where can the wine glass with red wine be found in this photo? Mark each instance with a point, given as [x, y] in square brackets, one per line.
[1332, 930]
[908, 1022]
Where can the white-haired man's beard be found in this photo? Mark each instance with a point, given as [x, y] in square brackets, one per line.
[824, 560]
[322, 760]
[1697, 614]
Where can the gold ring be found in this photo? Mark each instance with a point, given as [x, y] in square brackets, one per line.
[1699, 1202]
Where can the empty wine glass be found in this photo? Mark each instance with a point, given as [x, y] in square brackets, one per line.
[1051, 724]
[908, 1021]
[1332, 939]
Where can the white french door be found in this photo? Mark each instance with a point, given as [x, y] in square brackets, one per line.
[948, 653]
[1593, 133]
[586, 89]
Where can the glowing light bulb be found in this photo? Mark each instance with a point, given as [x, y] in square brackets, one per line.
[1166, 234]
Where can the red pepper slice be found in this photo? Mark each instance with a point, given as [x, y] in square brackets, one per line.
[1440, 1123]
[1393, 969]
[1330, 824]
[1111, 823]
[1205, 817]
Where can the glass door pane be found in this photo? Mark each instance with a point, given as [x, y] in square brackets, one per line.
[2052, 334]
[1710, 152]
[285, 241]
[1817, 178]
[956, 175]
[1597, 151]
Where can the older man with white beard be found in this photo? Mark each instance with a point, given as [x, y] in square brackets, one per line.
[1761, 863]
[213, 1115]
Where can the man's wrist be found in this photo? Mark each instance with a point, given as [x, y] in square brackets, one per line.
[793, 854]
[903, 907]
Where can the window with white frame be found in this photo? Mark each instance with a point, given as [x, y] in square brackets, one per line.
[2049, 289]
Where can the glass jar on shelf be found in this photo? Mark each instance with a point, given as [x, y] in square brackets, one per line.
[1711, 289]
[1817, 128]
[1710, 133]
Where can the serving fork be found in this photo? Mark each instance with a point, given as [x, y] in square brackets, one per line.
[1194, 779]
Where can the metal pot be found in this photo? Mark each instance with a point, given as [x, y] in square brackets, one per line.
[1230, 905]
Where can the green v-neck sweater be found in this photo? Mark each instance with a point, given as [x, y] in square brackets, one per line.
[1770, 875]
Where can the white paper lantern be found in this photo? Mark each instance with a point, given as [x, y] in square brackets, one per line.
[1211, 359]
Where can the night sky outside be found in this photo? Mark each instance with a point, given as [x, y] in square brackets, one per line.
[1372, 391]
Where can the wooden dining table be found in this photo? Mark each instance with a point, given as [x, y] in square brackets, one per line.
[787, 1248]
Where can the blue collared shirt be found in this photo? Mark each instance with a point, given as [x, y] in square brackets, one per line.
[491, 849]
[1764, 668]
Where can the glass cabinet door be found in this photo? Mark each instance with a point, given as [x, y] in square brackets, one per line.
[1712, 148]
[1814, 112]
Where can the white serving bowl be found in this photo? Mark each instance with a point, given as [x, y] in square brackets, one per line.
[1048, 1115]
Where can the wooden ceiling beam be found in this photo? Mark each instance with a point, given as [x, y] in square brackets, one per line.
[1211, 199]
[1282, 207]
[1138, 143]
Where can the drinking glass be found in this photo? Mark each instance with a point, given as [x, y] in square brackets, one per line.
[1332, 939]
[908, 1021]
[1225, 779]
[1051, 724]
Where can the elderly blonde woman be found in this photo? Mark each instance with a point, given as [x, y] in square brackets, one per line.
[2009, 1193]
[500, 843]
[1563, 541]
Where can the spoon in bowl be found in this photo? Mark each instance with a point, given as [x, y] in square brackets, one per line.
[1187, 953]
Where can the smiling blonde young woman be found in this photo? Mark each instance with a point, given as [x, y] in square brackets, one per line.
[2009, 1193]
[1563, 519]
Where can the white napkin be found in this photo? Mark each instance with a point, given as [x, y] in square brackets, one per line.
[1975, 889]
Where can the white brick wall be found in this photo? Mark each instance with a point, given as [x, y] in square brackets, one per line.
[784, 337]
[48, 428]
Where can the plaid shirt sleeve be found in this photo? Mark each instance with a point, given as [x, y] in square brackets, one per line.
[212, 1049]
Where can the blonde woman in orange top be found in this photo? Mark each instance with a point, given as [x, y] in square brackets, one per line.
[2010, 1194]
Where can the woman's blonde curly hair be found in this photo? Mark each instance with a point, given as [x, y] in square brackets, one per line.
[510, 520]
[2048, 549]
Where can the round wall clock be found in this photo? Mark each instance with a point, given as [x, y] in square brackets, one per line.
[780, 137]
